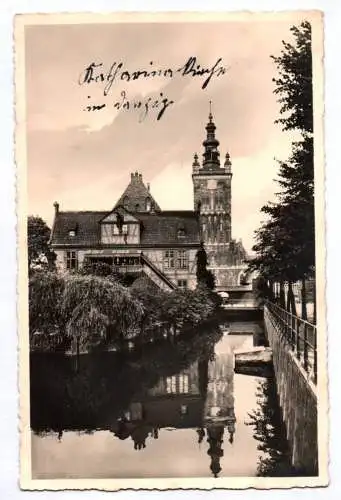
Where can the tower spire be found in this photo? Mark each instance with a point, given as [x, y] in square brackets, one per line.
[211, 153]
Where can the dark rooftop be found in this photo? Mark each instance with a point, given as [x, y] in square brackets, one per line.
[159, 228]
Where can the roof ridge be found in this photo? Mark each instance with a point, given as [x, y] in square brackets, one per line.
[82, 211]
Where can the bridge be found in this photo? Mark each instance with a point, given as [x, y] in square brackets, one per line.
[240, 300]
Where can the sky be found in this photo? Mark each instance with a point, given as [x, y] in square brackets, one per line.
[83, 159]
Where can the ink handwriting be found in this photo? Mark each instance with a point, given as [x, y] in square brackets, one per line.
[118, 72]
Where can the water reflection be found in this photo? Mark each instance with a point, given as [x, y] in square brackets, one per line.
[179, 405]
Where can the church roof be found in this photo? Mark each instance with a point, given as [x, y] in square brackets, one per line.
[137, 197]
[160, 228]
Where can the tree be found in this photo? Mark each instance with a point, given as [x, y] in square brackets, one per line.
[285, 243]
[45, 296]
[92, 304]
[39, 251]
[101, 269]
[205, 277]
[150, 297]
[294, 81]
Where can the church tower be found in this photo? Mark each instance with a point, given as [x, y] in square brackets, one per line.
[212, 197]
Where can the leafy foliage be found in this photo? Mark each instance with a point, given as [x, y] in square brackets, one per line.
[93, 311]
[171, 312]
[96, 269]
[45, 295]
[38, 235]
[294, 81]
[92, 304]
[205, 277]
[285, 243]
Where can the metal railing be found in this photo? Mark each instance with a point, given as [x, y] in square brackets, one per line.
[300, 336]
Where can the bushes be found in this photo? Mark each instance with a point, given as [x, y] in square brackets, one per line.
[172, 312]
[90, 311]
[81, 308]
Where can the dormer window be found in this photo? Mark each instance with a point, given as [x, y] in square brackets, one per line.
[148, 205]
[72, 231]
[181, 232]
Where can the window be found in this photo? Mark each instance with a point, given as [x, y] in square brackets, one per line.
[72, 233]
[182, 284]
[71, 260]
[171, 385]
[148, 205]
[183, 384]
[183, 409]
[169, 261]
[182, 261]
[115, 229]
[126, 201]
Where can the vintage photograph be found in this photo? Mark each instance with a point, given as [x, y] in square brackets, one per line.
[170, 190]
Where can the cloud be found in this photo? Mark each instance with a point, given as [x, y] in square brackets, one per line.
[84, 159]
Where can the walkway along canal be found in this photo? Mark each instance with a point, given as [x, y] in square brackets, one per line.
[170, 410]
[293, 343]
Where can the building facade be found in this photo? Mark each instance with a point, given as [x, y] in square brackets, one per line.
[137, 237]
[212, 184]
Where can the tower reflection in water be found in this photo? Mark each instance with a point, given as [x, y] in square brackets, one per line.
[199, 397]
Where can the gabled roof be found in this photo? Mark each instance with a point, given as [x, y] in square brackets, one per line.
[88, 228]
[160, 228]
[119, 211]
[136, 195]
[165, 227]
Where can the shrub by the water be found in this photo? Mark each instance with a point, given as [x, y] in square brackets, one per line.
[87, 311]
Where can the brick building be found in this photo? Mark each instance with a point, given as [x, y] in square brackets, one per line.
[136, 236]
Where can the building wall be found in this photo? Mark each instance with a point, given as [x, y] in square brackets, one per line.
[214, 195]
[155, 255]
[228, 276]
[131, 234]
[298, 400]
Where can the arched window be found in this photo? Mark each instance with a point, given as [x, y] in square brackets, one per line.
[137, 207]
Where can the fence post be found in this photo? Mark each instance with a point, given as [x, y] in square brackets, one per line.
[298, 347]
[305, 348]
[292, 328]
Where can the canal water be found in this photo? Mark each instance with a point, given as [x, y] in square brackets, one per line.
[164, 410]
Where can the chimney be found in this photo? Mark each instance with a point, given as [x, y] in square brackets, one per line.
[56, 208]
[140, 177]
